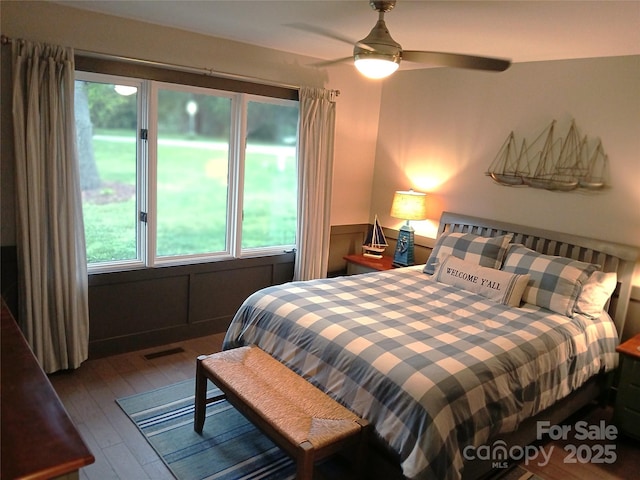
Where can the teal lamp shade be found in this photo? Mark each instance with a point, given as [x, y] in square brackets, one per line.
[407, 205]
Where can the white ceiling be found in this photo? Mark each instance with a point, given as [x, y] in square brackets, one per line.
[522, 31]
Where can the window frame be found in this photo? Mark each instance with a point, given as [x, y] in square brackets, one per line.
[154, 259]
[141, 167]
[271, 250]
[91, 69]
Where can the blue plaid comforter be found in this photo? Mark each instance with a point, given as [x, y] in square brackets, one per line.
[432, 367]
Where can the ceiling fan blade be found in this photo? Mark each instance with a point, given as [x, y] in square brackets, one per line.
[327, 33]
[456, 60]
[332, 62]
[321, 31]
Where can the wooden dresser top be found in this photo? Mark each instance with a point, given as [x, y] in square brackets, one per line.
[38, 438]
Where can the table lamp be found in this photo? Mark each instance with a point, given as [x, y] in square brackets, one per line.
[408, 206]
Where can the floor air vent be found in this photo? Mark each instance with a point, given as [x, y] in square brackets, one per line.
[163, 353]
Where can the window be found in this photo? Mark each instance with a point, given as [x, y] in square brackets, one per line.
[107, 126]
[174, 173]
[192, 172]
[270, 179]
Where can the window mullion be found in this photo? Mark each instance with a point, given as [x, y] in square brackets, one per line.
[236, 173]
[151, 179]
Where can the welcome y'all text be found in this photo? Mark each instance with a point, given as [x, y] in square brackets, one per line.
[485, 282]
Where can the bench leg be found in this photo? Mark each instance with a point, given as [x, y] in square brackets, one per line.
[361, 453]
[304, 462]
[200, 404]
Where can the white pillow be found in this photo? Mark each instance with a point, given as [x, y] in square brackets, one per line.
[496, 285]
[595, 293]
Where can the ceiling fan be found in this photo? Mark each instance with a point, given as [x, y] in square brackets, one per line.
[378, 55]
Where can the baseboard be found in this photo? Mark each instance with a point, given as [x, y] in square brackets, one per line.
[138, 341]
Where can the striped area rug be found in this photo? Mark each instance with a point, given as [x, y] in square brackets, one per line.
[230, 447]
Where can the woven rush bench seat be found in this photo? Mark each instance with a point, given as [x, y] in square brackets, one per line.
[296, 415]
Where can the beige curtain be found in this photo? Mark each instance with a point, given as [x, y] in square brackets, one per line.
[50, 234]
[315, 171]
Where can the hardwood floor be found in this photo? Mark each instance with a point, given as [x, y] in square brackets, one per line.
[121, 451]
[89, 394]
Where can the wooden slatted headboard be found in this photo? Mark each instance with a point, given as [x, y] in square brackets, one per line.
[612, 257]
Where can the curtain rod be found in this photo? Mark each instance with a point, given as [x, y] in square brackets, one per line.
[4, 39]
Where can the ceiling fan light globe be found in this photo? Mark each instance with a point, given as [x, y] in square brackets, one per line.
[376, 67]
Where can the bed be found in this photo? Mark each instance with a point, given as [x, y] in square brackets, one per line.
[503, 326]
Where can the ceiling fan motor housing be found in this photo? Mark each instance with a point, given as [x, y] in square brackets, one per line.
[380, 45]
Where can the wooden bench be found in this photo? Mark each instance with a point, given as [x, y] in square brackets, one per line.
[296, 415]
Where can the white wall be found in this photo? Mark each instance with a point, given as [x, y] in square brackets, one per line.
[357, 106]
[441, 128]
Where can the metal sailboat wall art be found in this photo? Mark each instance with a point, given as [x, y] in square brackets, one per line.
[376, 242]
[563, 163]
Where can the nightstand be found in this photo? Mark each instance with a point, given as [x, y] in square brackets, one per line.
[358, 263]
[627, 412]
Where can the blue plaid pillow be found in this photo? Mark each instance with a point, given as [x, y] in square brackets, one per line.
[555, 282]
[483, 251]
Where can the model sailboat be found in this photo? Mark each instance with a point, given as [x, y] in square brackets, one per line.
[376, 242]
[596, 170]
[508, 168]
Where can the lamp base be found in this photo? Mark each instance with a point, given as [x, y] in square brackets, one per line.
[403, 256]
